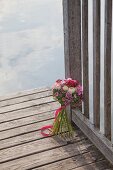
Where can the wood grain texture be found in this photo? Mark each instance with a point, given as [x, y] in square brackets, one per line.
[33, 147]
[85, 56]
[101, 165]
[23, 129]
[30, 137]
[24, 93]
[107, 68]
[96, 63]
[72, 38]
[25, 98]
[24, 105]
[48, 156]
[97, 138]
[75, 162]
[27, 112]
[26, 121]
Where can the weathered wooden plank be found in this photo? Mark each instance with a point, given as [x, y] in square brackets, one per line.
[27, 112]
[72, 38]
[29, 148]
[74, 162]
[101, 165]
[33, 147]
[24, 93]
[96, 63]
[26, 104]
[28, 137]
[107, 68]
[21, 139]
[25, 98]
[85, 56]
[49, 156]
[101, 142]
[23, 129]
[26, 121]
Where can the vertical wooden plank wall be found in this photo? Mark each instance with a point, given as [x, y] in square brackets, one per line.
[74, 44]
[85, 56]
[107, 68]
[72, 38]
[96, 63]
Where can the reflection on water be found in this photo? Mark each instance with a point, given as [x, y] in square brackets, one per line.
[31, 44]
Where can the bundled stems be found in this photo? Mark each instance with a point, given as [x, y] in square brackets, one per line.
[62, 126]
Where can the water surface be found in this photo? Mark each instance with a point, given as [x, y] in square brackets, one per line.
[31, 44]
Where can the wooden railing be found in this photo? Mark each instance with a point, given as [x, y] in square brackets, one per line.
[75, 15]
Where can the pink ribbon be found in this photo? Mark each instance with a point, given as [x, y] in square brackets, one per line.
[47, 127]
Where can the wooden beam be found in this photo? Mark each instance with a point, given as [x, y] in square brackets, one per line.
[96, 63]
[72, 41]
[101, 142]
[72, 38]
[107, 68]
[85, 56]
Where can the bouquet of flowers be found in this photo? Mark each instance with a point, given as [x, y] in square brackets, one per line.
[66, 92]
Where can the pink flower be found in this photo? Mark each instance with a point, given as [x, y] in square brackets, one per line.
[58, 81]
[79, 90]
[57, 86]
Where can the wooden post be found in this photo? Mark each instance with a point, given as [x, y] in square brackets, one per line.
[72, 38]
[85, 56]
[96, 62]
[107, 68]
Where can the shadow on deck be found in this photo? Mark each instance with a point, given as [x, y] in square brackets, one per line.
[23, 147]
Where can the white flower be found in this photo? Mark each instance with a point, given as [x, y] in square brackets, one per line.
[75, 96]
[71, 90]
[65, 88]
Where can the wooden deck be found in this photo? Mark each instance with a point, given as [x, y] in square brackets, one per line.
[23, 147]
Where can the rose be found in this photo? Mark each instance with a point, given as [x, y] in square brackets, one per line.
[71, 83]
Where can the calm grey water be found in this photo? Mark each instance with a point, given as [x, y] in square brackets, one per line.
[31, 44]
